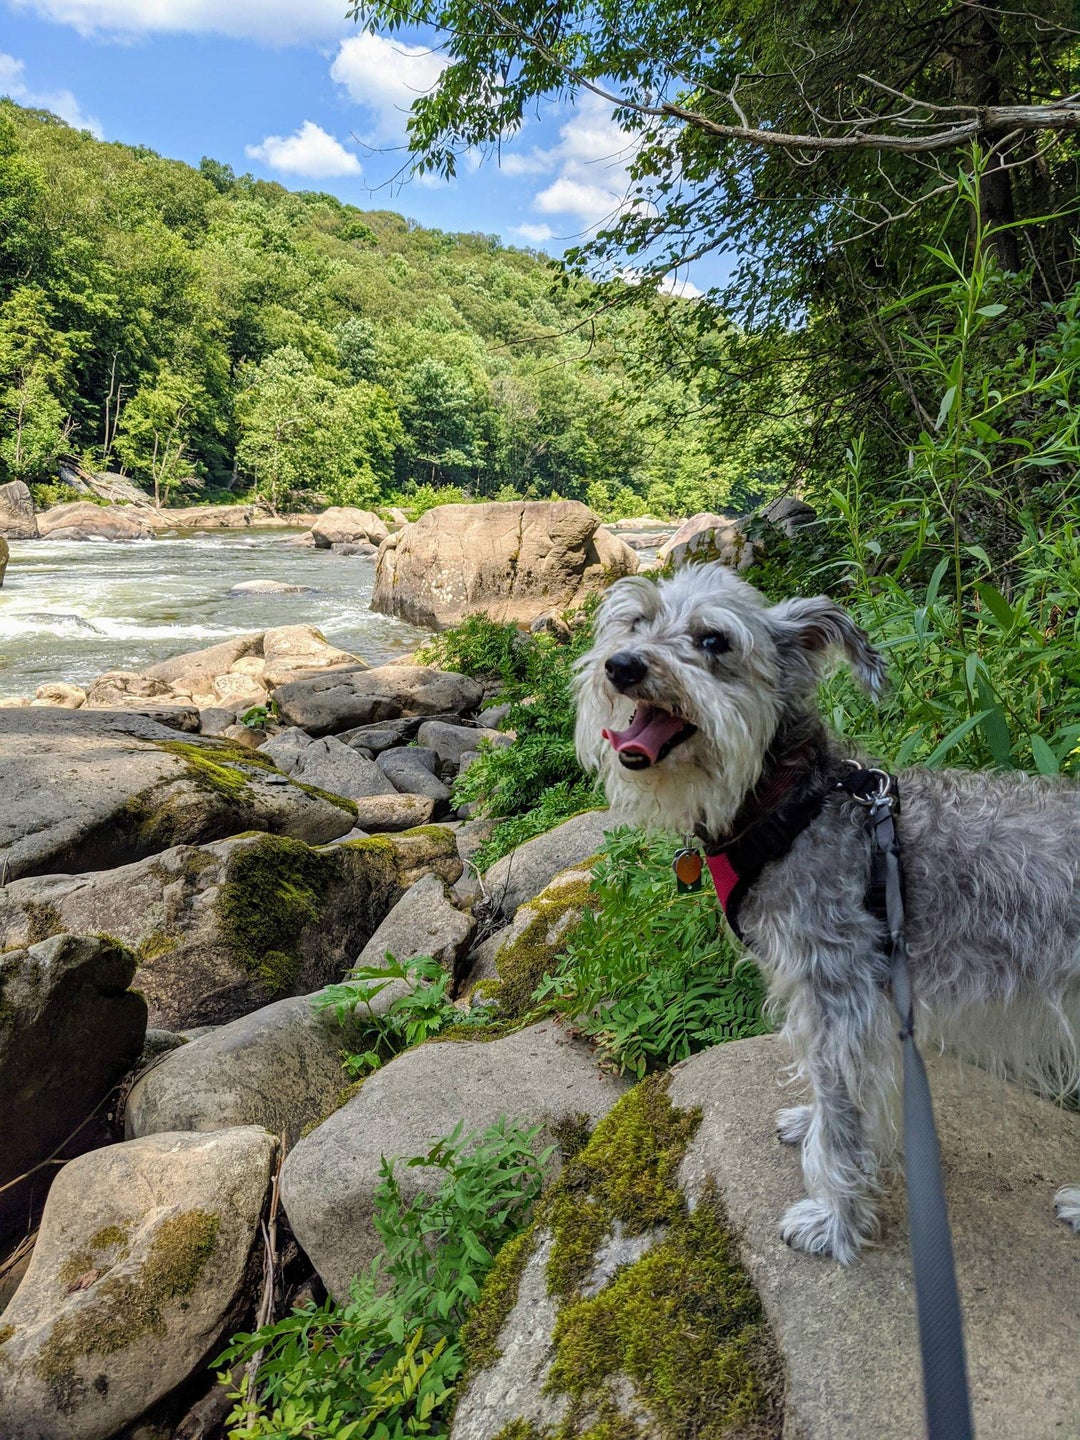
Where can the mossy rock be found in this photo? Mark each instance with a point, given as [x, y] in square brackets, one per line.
[529, 948]
[655, 1328]
[141, 1266]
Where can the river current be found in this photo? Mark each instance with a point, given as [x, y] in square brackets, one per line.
[70, 610]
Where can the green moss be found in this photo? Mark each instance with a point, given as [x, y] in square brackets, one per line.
[523, 962]
[125, 1307]
[157, 944]
[273, 890]
[6, 1332]
[572, 1133]
[682, 1324]
[626, 1173]
[213, 765]
[95, 1256]
[339, 800]
[685, 1326]
[41, 921]
[480, 1334]
[520, 1430]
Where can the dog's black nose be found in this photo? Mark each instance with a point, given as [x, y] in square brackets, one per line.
[625, 669]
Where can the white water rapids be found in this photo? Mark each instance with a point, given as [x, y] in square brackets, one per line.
[70, 610]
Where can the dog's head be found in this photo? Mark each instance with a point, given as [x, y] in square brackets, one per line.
[686, 685]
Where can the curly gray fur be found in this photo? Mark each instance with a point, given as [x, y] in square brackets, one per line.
[992, 867]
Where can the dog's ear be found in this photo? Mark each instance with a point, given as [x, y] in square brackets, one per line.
[820, 627]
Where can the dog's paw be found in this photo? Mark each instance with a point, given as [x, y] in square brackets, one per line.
[812, 1227]
[1067, 1206]
[792, 1125]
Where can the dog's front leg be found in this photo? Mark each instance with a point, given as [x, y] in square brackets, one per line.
[839, 1163]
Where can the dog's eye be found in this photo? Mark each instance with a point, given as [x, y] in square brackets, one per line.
[714, 643]
[636, 624]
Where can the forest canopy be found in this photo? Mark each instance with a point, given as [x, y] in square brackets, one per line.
[207, 331]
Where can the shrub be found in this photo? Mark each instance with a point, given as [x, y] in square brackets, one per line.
[384, 1365]
[651, 976]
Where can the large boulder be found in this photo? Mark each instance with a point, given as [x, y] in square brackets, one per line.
[92, 789]
[292, 650]
[848, 1337]
[526, 871]
[279, 1067]
[511, 561]
[624, 1309]
[17, 518]
[194, 672]
[344, 525]
[349, 697]
[138, 1274]
[537, 1076]
[222, 929]
[5, 556]
[116, 489]
[519, 956]
[69, 1029]
[425, 921]
[83, 520]
[706, 537]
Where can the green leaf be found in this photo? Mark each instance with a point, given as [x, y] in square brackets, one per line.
[946, 405]
[953, 738]
[1046, 762]
[991, 311]
[997, 605]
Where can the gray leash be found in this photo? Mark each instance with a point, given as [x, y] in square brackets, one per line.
[937, 1300]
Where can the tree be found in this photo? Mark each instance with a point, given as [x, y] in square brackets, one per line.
[35, 381]
[154, 432]
[439, 408]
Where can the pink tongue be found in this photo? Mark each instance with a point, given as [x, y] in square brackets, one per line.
[647, 734]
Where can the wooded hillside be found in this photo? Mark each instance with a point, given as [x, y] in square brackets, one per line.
[183, 323]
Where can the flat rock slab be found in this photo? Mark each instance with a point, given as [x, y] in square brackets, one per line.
[279, 1068]
[92, 789]
[848, 1335]
[349, 697]
[534, 1076]
[136, 1278]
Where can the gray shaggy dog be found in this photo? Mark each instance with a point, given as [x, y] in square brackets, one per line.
[697, 704]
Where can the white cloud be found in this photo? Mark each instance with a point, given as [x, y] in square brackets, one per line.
[275, 22]
[385, 77]
[534, 234]
[682, 289]
[60, 102]
[310, 152]
[589, 163]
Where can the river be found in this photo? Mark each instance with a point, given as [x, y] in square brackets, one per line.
[70, 610]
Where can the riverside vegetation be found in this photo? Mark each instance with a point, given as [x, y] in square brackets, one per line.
[220, 336]
[936, 436]
[965, 569]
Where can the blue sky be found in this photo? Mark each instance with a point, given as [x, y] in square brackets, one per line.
[289, 90]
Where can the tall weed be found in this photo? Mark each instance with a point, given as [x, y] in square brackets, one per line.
[384, 1365]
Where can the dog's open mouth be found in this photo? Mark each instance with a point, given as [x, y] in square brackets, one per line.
[651, 734]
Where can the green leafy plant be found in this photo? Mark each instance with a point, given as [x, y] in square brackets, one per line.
[422, 1011]
[651, 976]
[256, 717]
[383, 1366]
